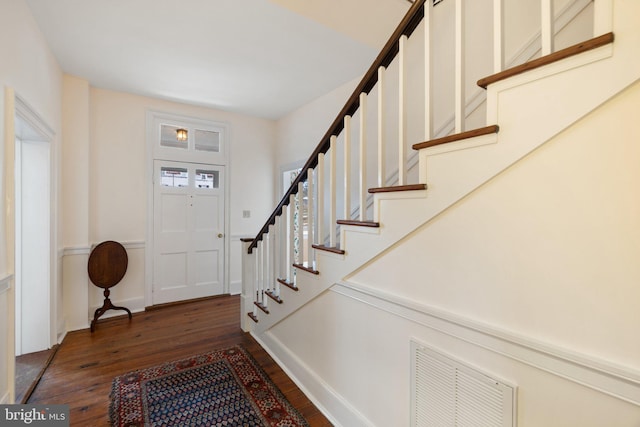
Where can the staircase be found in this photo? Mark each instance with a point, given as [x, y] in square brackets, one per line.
[350, 204]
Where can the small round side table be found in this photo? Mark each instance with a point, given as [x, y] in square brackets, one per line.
[107, 266]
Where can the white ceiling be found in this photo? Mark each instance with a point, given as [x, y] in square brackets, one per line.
[257, 57]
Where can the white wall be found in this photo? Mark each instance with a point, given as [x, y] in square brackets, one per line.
[543, 254]
[75, 198]
[299, 132]
[113, 193]
[29, 68]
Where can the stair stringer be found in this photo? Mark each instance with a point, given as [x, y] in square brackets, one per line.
[405, 210]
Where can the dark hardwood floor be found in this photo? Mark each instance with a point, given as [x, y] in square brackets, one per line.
[29, 369]
[81, 372]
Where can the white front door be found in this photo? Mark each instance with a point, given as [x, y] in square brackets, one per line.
[188, 259]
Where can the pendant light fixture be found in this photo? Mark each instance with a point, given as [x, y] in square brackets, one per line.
[182, 134]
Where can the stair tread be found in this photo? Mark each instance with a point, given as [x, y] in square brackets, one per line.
[274, 297]
[548, 59]
[457, 137]
[305, 268]
[253, 317]
[335, 250]
[358, 223]
[410, 187]
[261, 307]
[288, 284]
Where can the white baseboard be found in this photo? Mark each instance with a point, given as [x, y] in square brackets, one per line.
[61, 336]
[84, 324]
[235, 287]
[135, 305]
[327, 400]
[61, 331]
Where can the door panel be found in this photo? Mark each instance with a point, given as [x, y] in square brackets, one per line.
[174, 212]
[188, 231]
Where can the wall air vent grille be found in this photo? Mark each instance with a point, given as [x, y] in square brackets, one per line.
[446, 392]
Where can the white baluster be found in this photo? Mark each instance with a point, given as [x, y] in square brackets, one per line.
[498, 36]
[300, 197]
[265, 270]
[320, 186]
[427, 71]
[277, 253]
[602, 17]
[347, 168]
[256, 277]
[267, 260]
[248, 284]
[363, 156]
[310, 220]
[332, 192]
[382, 129]
[402, 120]
[285, 243]
[459, 68]
[547, 31]
[260, 295]
[291, 245]
[273, 256]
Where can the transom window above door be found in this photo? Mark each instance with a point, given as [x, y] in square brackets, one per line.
[186, 139]
[179, 138]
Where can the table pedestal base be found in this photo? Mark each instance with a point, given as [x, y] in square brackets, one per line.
[107, 305]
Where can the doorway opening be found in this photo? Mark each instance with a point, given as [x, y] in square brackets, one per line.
[33, 234]
[34, 332]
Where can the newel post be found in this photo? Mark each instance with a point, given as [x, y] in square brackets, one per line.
[248, 285]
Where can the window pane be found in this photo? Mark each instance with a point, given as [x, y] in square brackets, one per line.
[174, 177]
[168, 137]
[207, 140]
[207, 179]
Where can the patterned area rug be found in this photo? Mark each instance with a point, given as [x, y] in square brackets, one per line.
[221, 388]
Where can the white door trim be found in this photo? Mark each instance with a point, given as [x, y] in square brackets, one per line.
[153, 120]
[30, 127]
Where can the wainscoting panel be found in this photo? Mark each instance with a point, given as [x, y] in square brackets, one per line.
[617, 381]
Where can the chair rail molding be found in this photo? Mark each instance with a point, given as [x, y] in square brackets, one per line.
[86, 250]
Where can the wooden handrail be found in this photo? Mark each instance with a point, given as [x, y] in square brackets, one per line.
[407, 26]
